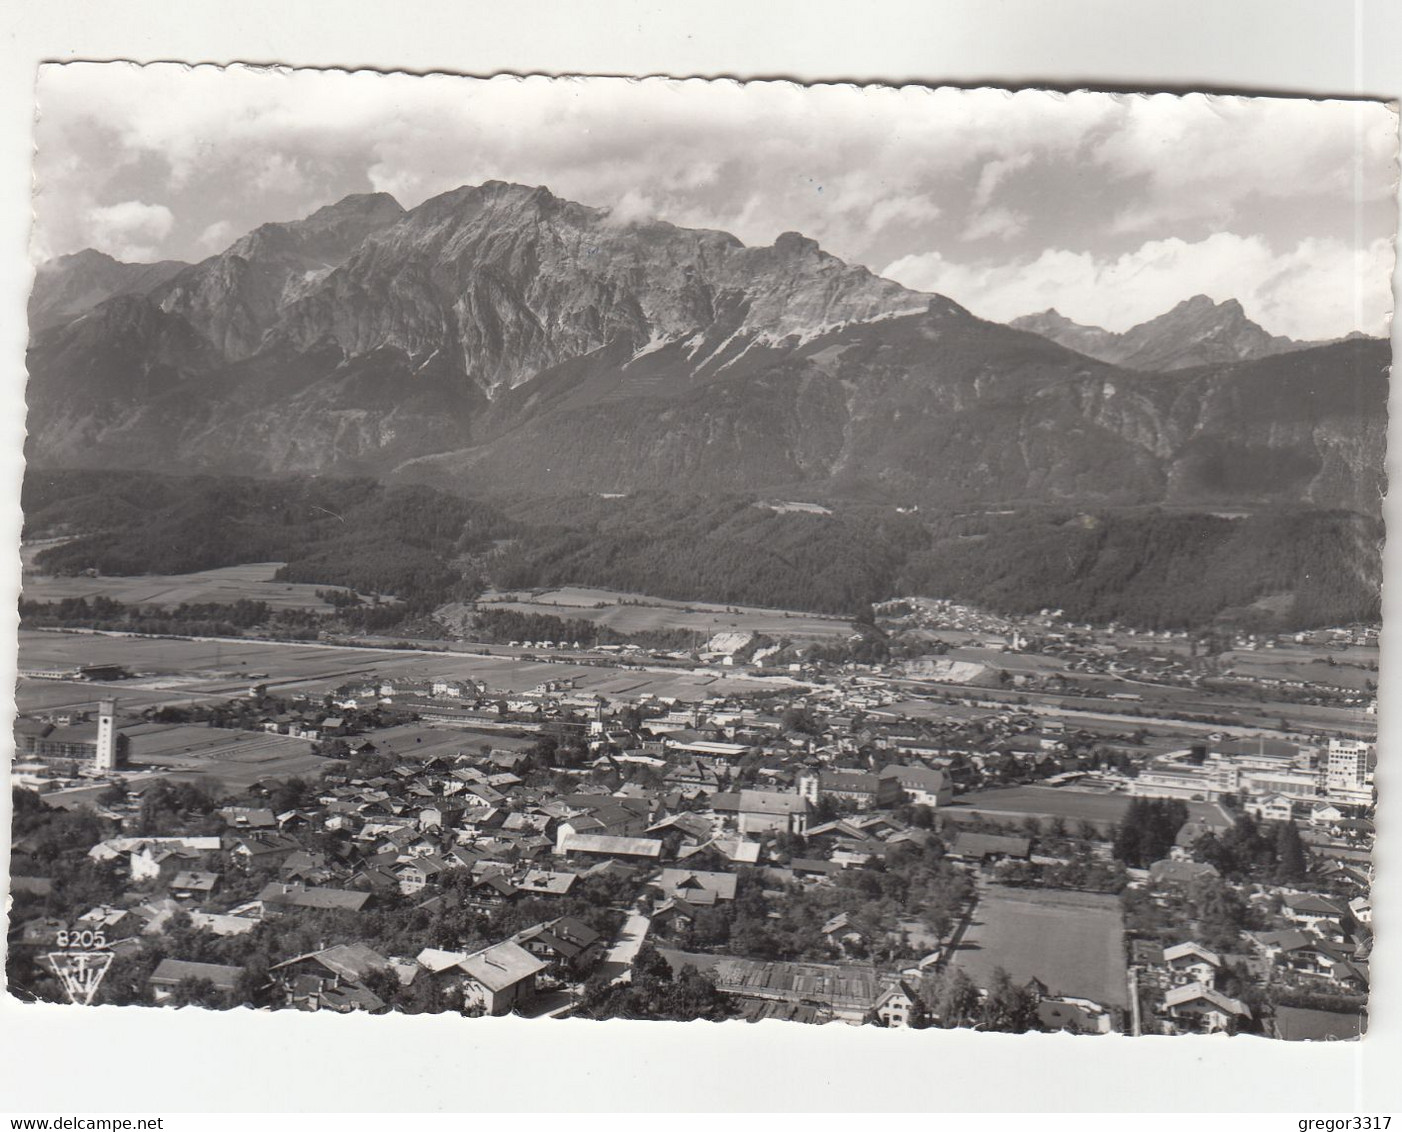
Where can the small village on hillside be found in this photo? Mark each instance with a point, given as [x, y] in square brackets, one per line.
[915, 842]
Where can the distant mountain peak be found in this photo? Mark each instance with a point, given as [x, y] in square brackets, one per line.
[356, 204]
[1202, 306]
[1196, 302]
[796, 244]
[78, 258]
[1196, 331]
[499, 335]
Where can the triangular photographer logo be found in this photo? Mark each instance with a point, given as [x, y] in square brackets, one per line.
[80, 972]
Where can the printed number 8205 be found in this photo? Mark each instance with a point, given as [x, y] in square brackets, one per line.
[81, 940]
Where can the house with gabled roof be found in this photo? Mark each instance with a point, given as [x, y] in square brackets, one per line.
[277, 898]
[262, 850]
[1271, 807]
[921, 785]
[1350, 975]
[1301, 951]
[1313, 913]
[841, 934]
[691, 776]
[546, 882]
[857, 787]
[986, 847]
[492, 890]
[812, 868]
[331, 979]
[247, 817]
[898, 1006]
[170, 973]
[765, 811]
[191, 884]
[1199, 1008]
[602, 845]
[112, 922]
[671, 918]
[1191, 963]
[721, 852]
[418, 873]
[567, 940]
[697, 888]
[497, 979]
[1074, 1015]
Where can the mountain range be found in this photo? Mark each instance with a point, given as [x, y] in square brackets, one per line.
[1196, 332]
[499, 338]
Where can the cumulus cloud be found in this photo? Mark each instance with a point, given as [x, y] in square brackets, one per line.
[994, 173]
[130, 230]
[999, 223]
[859, 170]
[633, 207]
[1317, 289]
[1075, 191]
[279, 173]
[217, 236]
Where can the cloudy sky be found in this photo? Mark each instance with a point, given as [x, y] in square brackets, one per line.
[1108, 208]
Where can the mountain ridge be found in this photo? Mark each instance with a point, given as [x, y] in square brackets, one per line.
[1194, 332]
[497, 334]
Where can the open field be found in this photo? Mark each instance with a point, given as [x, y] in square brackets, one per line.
[208, 670]
[1157, 717]
[1015, 662]
[253, 581]
[234, 759]
[59, 695]
[637, 613]
[1053, 802]
[237, 759]
[416, 740]
[1309, 666]
[1071, 941]
[159, 743]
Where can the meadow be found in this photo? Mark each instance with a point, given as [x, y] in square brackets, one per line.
[252, 581]
[1057, 802]
[637, 613]
[1071, 941]
[178, 671]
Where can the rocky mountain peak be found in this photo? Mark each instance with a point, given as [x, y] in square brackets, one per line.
[796, 244]
[499, 334]
[1195, 331]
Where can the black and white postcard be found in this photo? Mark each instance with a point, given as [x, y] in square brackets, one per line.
[699, 550]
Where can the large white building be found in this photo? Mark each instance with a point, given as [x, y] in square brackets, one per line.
[1346, 774]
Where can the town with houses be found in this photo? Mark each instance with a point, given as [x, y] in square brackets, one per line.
[929, 840]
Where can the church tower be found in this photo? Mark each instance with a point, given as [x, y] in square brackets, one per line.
[106, 759]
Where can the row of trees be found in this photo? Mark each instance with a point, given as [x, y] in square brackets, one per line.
[913, 887]
[193, 619]
[653, 990]
[1252, 850]
[1148, 830]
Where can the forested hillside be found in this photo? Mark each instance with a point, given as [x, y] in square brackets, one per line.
[353, 533]
[1160, 570]
[723, 549]
[1284, 568]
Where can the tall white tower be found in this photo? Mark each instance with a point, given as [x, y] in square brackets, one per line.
[106, 759]
[1347, 768]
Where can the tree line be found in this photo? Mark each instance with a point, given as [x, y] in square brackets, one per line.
[1146, 567]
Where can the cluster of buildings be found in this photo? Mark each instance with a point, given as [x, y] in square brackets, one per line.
[1271, 777]
[679, 800]
[69, 748]
[1319, 956]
